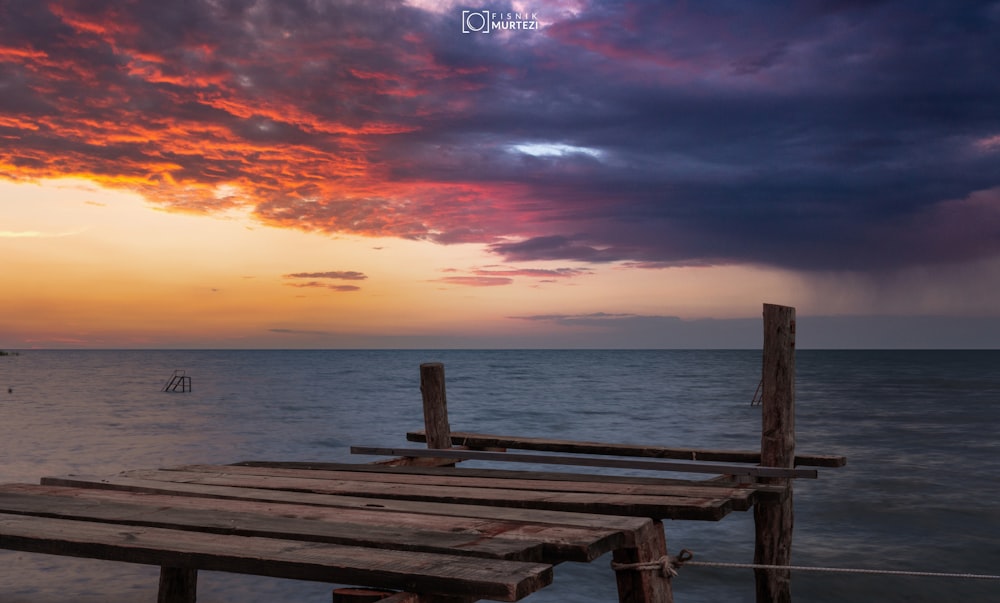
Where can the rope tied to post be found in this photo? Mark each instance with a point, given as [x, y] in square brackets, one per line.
[666, 565]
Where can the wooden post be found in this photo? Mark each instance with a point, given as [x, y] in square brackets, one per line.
[644, 585]
[178, 585]
[773, 519]
[360, 595]
[435, 405]
[436, 426]
[367, 595]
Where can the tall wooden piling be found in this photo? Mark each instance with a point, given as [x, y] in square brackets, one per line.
[435, 405]
[773, 519]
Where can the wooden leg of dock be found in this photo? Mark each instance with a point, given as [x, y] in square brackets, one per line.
[367, 595]
[178, 585]
[774, 520]
[644, 585]
[361, 595]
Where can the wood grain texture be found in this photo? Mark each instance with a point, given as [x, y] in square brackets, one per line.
[412, 571]
[754, 490]
[433, 537]
[136, 482]
[673, 507]
[644, 586]
[740, 496]
[507, 539]
[432, 389]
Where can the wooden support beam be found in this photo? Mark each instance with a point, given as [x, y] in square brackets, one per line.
[435, 405]
[484, 441]
[644, 585]
[774, 519]
[581, 461]
[404, 598]
[360, 595]
[178, 585]
[367, 595]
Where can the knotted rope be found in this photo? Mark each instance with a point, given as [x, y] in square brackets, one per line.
[666, 565]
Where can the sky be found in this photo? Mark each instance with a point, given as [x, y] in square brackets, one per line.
[327, 174]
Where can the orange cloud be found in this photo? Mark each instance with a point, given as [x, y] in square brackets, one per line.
[318, 285]
[304, 280]
[476, 281]
[181, 120]
[347, 275]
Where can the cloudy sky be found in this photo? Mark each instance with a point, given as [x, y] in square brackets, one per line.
[313, 173]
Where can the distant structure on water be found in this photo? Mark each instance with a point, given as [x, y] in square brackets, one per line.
[178, 382]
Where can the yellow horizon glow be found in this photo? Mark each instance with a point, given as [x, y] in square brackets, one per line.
[88, 266]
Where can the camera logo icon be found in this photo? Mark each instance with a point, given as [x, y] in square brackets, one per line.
[475, 21]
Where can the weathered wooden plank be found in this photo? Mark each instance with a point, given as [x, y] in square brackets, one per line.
[672, 507]
[741, 497]
[483, 440]
[559, 542]
[675, 466]
[484, 472]
[412, 462]
[220, 521]
[761, 490]
[159, 486]
[413, 571]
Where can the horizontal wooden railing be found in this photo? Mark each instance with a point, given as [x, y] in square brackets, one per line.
[581, 461]
[482, 441]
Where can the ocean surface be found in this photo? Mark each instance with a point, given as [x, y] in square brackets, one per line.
[921, 430]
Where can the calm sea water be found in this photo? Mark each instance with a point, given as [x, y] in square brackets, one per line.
[921, 430]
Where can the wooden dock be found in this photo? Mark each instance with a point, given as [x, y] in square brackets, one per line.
[414, 529]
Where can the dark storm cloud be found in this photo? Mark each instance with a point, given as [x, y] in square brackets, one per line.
[823, 135]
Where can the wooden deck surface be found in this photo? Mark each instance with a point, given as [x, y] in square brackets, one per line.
[456, 532]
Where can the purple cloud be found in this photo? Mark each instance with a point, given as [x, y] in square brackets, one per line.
[826, 136]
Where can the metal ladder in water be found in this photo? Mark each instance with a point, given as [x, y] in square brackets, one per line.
[178, 382]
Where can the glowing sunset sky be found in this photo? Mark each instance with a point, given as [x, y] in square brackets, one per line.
[253, 173]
